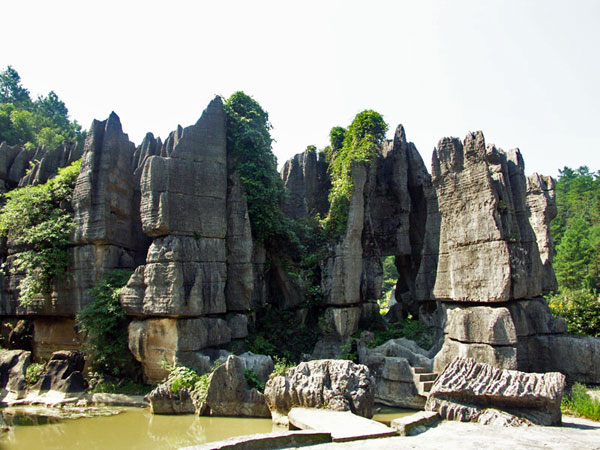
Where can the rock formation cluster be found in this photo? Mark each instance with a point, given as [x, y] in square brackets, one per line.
[470, 240]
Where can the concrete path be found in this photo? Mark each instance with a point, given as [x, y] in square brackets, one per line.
[575, 434]
[343, 425]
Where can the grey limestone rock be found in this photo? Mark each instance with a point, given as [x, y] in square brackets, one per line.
[163, 400]
[306, 178]
[192, 176]
[228, 393]
[392, 364]
[103, 199]
[336, 384]
[13, 367]
[493, 224]
[63, 373]
[466, 388]
[175, 340]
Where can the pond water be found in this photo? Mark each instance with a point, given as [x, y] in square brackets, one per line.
[131, 429]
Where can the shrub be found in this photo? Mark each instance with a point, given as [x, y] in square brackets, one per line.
[181, 377]
[579, 403]
[581, 310]
[34, 372]
[253, 381]
[278, 333]
[281, 366]
[39, 219]
[105, 324]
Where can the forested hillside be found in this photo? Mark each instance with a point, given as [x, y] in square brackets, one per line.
[576, 233]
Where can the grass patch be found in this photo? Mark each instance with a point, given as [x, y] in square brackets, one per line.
[579, 403]
[34, 372]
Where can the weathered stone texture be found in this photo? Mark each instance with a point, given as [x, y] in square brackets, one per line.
[392, 366]
[185, 192]
[51, 334]
[177, 341]
[63, 373]
[13, 367]
[240, 267]
[493, 224]
[337, 384]
[466, 387]
[229, 395]
[306, 179]
[103, 198]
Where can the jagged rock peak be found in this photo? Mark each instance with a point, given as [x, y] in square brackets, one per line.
[399, 135]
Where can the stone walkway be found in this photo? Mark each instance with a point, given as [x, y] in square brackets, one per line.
[575, 434]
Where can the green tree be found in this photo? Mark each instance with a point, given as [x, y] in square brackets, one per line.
[336, 138]
[11, 90]
[30, 124]
[573, 255]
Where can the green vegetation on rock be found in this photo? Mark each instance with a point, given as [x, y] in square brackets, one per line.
[279, 333]
[253, 381]
[249, 141]
[104, 323]
[39, 220]
[361, 143]
[34, 372]
[576, 234]
[33, 123]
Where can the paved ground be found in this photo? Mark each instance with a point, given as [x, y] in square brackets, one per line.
[575, 434]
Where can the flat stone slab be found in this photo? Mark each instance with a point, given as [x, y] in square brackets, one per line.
[343, 425]
[404, 425]
[266, 441]
[119, 400]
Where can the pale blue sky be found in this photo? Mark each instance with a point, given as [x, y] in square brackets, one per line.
[525, 72]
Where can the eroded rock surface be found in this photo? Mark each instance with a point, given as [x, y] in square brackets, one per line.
[229, 394]
[335, 384]
[466, 388]
[63, 373]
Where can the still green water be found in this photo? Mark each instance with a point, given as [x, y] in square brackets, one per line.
[133, 429]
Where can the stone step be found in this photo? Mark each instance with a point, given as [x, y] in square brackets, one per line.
[422, 377]
[427, 385]
[421, 370]
[343, 425]
[405, 426]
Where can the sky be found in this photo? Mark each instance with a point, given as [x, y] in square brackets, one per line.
[526, 73]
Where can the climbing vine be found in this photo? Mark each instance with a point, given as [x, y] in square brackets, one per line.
[39, 219]
[249, 141]
[361, 143]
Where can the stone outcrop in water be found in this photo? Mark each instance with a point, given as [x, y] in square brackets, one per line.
[228, 393]
[334, 384]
